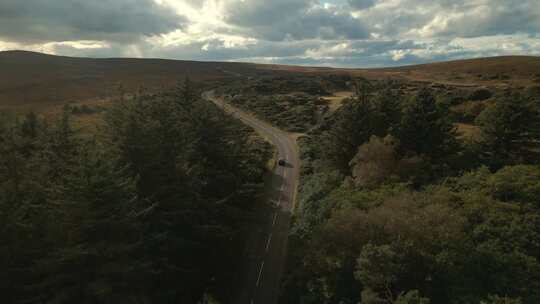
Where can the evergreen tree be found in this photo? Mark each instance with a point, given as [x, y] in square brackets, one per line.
[425, 128]
[351, 128]
[510, 128]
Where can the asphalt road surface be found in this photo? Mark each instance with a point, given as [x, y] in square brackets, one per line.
[266, 253]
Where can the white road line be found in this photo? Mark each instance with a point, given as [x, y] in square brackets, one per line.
[268, 242]
[284, 174]
[274, 221]
[260, 273]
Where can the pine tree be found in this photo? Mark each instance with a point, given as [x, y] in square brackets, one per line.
[425, 128]
[510, 129]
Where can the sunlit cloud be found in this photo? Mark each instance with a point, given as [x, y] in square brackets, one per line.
[354, 33]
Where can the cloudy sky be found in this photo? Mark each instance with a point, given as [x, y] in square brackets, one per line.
[342, 33]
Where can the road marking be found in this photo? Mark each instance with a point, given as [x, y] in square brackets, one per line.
[284, 174]
[260, 273]
[268, 242]
[275, 217]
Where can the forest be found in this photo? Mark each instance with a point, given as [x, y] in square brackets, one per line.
[153, 208]
[397, 207]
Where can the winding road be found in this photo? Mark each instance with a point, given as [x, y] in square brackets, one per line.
[266, 253]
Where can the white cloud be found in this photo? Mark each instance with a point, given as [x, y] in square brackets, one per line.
[310, 32]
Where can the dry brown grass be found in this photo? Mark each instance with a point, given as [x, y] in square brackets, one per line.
[42, 80]
[468, 131]
[522, 71]
[335, 102]
[38, 82]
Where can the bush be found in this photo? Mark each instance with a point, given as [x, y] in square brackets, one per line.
[480, 94]
[375, 162]
[517, 183]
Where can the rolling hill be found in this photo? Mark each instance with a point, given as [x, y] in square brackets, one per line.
[37, 80]
[34, 78]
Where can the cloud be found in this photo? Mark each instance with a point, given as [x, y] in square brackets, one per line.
[292, 20]
[59, 20]
[361, 4]
[494, 18]
[344, 33]
[452, 18]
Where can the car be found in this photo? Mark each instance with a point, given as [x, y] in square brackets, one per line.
[282, 162]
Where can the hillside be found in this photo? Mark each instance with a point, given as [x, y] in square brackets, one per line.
[33, 78]
[37, 80]
[512, 70]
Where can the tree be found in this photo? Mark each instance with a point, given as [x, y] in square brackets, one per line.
[351, 128]
[375, 162]
[378, 268]
[153, 210]
[29, 127]
[193, 166]
[425, 128]
[509, 129]
[386, 110]
[516, 183]
[411, 297]
[501, 300]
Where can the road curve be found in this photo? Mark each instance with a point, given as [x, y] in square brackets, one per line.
[265, 259]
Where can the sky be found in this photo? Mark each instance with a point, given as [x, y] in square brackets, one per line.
[339, 33]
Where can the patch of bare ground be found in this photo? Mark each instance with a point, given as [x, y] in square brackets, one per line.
[335, 101]
[468, 131]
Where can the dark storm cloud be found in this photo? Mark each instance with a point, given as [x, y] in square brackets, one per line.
[292, 20]
[344, 33]
[361, 4]
[60, 20]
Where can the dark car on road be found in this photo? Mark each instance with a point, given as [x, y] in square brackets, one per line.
[282, 162]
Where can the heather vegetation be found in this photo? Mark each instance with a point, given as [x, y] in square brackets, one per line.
[396, 207]
[152, 209]
[294, 113]
[292, 102]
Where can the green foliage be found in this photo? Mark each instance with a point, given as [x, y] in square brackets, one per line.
[150, 211]
[476, 244]
[501, 300]
[350, 129]
[425, 128]
[379, 268]
[411, 297]
[517, 183]
[375, 162]
[295, 113]
[415, 215]
[467, 112]
[509, 129]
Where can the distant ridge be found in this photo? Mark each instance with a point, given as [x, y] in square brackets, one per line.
[525, 65]
[30, 77]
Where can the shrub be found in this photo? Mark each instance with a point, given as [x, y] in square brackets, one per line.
[375, 162]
